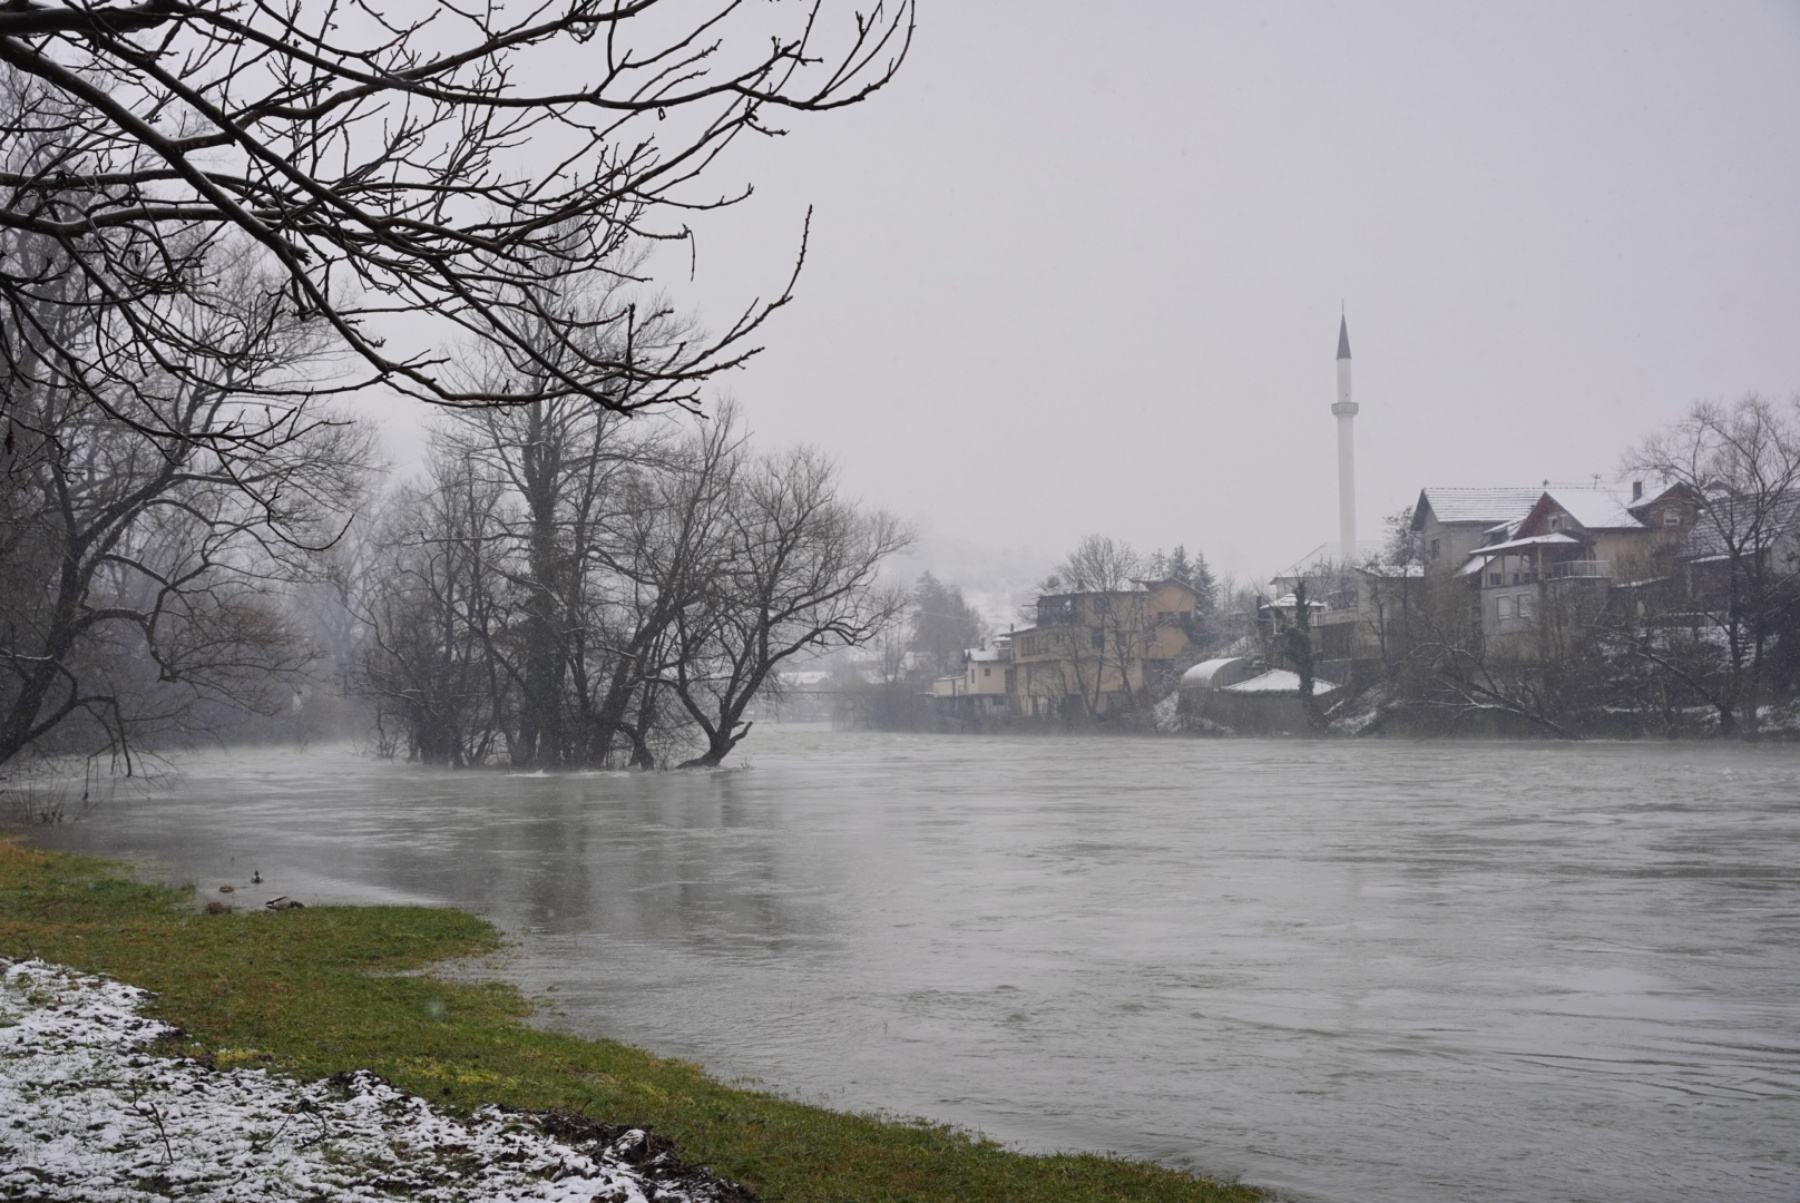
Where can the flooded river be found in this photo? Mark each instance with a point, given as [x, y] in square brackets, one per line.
[1349, 971]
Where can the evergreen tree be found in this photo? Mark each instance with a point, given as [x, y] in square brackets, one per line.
[1200, 579]
[1194, 573]
[944, 625]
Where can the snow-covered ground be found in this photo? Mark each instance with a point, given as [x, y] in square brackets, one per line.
[86, 1113]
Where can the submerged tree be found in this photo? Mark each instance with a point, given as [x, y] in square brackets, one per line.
[797, 571]
[575, 589]
[429, 616]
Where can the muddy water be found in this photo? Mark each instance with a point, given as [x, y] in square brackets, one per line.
[1349, 971]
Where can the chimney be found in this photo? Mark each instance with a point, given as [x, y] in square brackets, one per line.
[1637, 491]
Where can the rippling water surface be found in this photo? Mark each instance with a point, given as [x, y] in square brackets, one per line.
[1350, 971]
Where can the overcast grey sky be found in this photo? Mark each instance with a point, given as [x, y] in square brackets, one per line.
[1077, 272]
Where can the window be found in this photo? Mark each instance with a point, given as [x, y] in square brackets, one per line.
[1434, 549]
[1527, 605]
[987, 672]
[1556, 521]
[1505, 607]
[1671, 518]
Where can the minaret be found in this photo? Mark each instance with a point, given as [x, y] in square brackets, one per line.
[1345, 409]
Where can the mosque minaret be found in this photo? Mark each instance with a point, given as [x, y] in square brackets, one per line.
[1345, 409]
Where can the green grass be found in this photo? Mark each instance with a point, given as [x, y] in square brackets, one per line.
[319, 990]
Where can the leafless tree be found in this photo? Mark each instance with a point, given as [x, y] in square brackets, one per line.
[1445, 671]
[430, 615]
[796, 571]
[1092, 610]
[1740, 566]
[434, 159]
[144, 516]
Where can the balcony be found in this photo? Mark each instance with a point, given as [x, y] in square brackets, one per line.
[1581, 570]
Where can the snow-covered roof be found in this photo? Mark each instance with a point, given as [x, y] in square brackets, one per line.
[1215, 673]
[1291, 601]
[1278, 680]
[1596, 509]
[1553, 539]
[1747, 523]
[1151, 582]
[987, 655]
[1392, 571]
[1486, 506]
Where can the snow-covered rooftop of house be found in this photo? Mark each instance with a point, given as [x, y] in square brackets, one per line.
[1486, 506]
[1596, 509]
[1747, 524]
[988, 655]
[1278, 680]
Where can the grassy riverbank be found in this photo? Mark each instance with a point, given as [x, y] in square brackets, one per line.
[324, 989]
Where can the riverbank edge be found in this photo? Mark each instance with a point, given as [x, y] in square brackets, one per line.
[317, 991]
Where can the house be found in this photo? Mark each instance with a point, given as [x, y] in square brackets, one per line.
[1096, 653]
[1449, 523]
[983, 687]
[1563, 550]
[1736, 552]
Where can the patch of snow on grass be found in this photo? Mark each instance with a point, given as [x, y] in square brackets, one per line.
[1166, 714]
[86, 1113]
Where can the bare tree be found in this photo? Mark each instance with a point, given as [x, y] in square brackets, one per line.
[1443, 667]
[796, 571]
[145, 518]
[1092, 612]
[431, 616]
[442, 160]
[1740, 566]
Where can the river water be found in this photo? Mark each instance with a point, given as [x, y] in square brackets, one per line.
[1350, 971]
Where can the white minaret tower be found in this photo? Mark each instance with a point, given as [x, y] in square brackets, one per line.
[1345, 409]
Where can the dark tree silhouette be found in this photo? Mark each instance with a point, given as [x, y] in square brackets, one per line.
[392, 161]
[145, 521]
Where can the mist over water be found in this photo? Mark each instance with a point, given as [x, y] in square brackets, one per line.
[1352, 971]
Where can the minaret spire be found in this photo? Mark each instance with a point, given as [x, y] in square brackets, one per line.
[1345, 410]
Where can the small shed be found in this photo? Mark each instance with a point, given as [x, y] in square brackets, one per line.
[1215, 674]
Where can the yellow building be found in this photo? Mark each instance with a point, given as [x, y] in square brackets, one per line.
[1096, 654]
